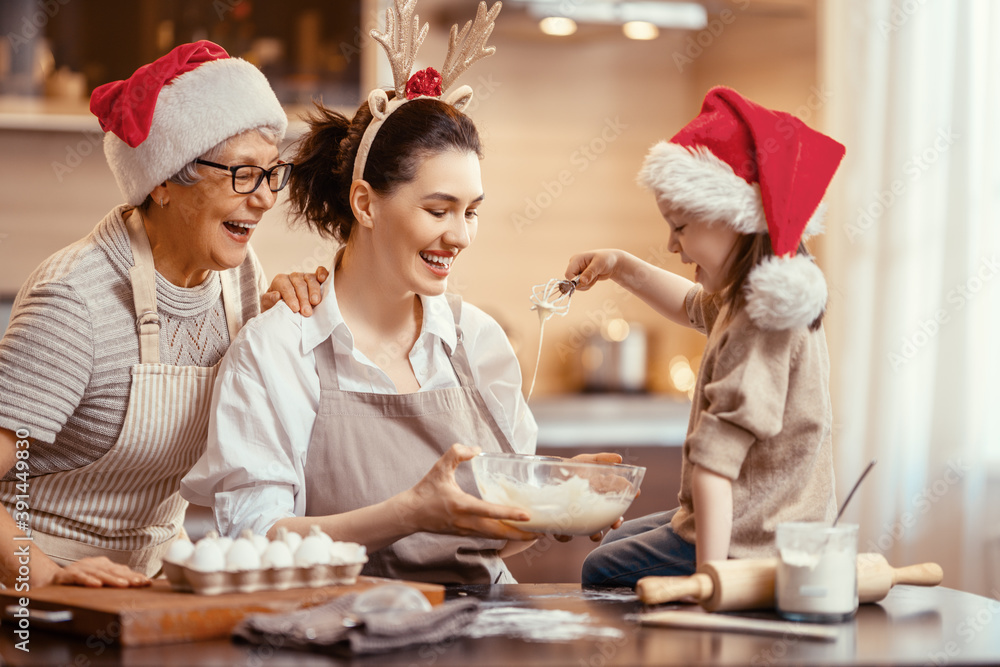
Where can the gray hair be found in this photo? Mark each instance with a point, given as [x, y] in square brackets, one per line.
[189, 174]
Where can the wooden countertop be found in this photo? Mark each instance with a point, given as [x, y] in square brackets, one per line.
[912, 626]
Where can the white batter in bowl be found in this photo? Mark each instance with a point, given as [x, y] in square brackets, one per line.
[563, 497]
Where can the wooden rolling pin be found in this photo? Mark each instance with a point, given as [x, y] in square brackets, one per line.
[735, 585]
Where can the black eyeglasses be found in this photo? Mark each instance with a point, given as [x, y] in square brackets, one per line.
[248, 177]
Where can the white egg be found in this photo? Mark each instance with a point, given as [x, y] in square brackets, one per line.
[318, 532]
[277, 555]
[313, 551]
[206, 557]
[242, 556]
[261, 542]
[344, 553]
[291, 538]
[180, 550]
[224, 544]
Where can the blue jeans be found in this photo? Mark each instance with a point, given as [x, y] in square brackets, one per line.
[639, 548]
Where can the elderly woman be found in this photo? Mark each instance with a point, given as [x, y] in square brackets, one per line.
[107, 366]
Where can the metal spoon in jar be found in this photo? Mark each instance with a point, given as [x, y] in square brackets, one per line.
[853, 489]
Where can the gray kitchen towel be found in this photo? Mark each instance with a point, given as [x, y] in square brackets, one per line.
[334, 625]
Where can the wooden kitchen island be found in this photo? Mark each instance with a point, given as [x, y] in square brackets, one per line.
[912, 626]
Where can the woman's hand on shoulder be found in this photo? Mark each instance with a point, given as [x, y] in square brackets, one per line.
[437, 504]
[594, 265]
[299, 291]
[98, 572]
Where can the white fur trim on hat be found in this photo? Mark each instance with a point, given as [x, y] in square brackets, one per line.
[699, 183]
[785, 293]
[194, 113]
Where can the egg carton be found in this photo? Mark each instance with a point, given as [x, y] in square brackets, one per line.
[183, 578]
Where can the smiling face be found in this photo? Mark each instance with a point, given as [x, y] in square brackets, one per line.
[420, 227]
[708, 246]
[206, 226]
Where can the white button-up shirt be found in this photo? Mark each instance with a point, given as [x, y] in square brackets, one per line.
[267, 395]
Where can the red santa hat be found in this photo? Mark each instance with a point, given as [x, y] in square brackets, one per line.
[756, 170]
[175, 109]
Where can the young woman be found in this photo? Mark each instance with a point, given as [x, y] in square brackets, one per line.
[337, 419]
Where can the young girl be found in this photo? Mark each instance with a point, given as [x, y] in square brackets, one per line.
[739, 187]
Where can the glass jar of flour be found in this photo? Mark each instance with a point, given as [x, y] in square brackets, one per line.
[817, 577]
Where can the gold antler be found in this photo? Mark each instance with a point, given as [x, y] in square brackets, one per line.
[469, 45]
[401, 40]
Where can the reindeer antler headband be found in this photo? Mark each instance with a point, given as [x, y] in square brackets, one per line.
[402, 38]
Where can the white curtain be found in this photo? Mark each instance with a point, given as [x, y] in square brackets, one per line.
[912, 256]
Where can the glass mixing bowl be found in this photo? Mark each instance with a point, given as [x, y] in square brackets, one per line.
[564, 497]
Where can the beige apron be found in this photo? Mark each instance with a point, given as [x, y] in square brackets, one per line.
[368, 447]
[126, 505]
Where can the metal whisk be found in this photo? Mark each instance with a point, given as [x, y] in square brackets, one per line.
[549, 299]
[553, 297]
[569, 286]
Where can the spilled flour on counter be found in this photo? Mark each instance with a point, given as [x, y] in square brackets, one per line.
[548, 299]
[621, 594]
[538, 625]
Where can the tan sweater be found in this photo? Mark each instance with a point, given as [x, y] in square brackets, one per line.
[760, 416]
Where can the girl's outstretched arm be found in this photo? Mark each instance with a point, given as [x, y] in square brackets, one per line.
[662, 290]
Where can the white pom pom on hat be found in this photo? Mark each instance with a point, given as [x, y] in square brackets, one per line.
[756, 170]
[175, 109]
[785, 292]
